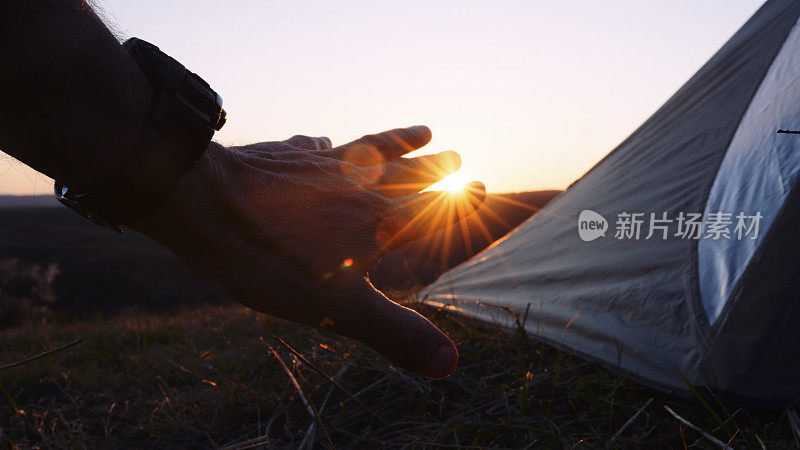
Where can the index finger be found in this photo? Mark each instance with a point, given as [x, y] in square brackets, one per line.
[379, 148]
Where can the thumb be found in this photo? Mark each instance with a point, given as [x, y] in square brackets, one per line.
[401, 335]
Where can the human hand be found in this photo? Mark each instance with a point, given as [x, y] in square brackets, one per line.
[291, 229]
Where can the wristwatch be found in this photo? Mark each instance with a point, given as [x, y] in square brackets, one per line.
[185, 115]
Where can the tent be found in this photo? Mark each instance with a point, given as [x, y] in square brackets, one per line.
[678, 254]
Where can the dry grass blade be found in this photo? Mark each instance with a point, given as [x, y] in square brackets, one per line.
[698, 429]
[521, 323]
[631, 420]
[40, 355]
[760, 442]
[727, 445]
[794, 421]
[311, 410]
[248, 444]
[525, 316]
[308, 439]
[330, 379]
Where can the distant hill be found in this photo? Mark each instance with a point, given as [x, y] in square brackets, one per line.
[28, 201]
[101, 271]
[104, 272]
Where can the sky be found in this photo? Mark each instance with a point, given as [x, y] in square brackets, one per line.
[530, 93]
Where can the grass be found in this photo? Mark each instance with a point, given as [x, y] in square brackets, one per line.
[205, 377]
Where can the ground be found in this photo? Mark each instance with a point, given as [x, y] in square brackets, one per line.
[206, 376]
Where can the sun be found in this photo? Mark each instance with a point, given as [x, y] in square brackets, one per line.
[453, 183]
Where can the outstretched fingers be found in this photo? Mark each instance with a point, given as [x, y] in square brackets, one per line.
[406, 176]
[379, 148]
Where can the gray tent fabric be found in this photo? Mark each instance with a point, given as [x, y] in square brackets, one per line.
[718, 305]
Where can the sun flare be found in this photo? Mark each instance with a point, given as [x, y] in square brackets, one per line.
[453, 183]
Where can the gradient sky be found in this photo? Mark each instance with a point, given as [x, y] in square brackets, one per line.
[531, 93]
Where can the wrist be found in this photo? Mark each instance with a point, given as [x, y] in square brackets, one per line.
[166, 141]
[187, 208]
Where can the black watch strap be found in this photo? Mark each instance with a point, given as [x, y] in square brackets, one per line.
[179, 128]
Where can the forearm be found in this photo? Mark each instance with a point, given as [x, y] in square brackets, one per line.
[72, 102]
